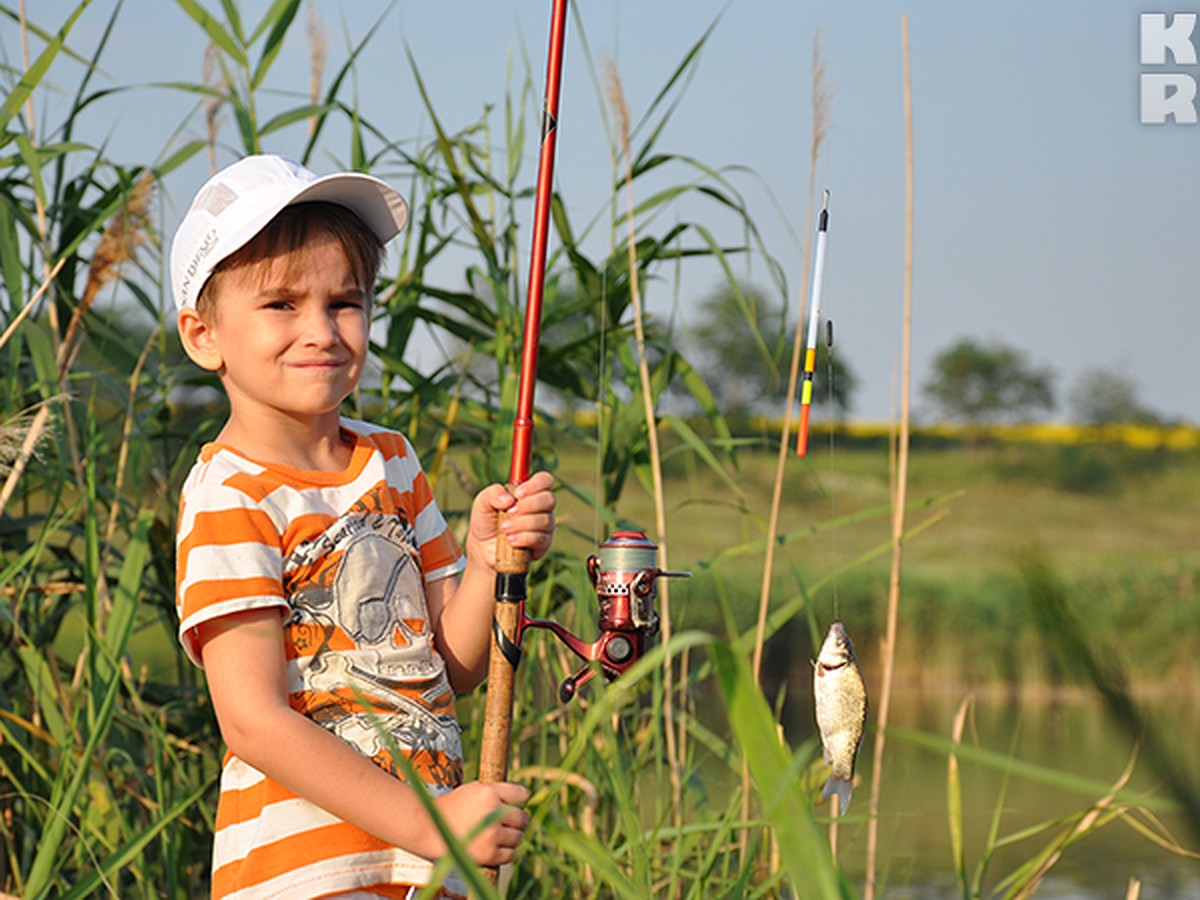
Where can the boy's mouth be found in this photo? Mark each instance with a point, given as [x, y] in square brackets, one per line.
[319, 363]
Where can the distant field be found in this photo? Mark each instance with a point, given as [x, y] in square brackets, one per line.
[1145, 509]
[1118, 526]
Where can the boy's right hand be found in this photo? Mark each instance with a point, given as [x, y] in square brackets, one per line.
[465, 807]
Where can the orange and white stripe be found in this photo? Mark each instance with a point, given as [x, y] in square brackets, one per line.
[255, 536]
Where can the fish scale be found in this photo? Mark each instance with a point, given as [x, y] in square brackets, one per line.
[841, 707]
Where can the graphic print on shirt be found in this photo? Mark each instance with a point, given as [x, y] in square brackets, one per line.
[361, 638]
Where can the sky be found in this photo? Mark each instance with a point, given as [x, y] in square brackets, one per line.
[1047, 216]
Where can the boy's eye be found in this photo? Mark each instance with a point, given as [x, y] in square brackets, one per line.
[350, 301]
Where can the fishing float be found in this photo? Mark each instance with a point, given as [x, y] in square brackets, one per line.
[814, 319]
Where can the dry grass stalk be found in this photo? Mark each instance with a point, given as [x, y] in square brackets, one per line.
[822, 103]
[900, 493]
[14, 434]
[616, 96]
[1082, 827]
[27, 437]
[126, 436]
[46, 589]
[47, 282]
[128, 230]
[38, 207]
[566, 778]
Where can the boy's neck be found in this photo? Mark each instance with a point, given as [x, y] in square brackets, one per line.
[313, 446]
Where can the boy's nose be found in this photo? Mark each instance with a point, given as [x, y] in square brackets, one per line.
[320, 327]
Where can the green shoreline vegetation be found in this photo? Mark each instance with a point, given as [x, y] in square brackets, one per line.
[1123, 544]
[1026, 563]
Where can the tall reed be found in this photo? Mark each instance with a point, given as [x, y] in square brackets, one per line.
[109, 753]
[822, 101]
[621, 110]
[900, 488]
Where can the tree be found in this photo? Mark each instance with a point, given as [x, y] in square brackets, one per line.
[1100, 397]
[744, 349]
[981, 384]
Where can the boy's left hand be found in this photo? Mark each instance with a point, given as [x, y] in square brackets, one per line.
[527, 522]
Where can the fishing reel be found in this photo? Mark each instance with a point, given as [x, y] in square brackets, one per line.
[625, 577]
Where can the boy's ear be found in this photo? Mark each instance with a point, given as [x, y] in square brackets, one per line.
[199, 340]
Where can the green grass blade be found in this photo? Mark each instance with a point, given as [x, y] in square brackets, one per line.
[130, 851]
[804, 852]
[279, 19]
[67, 791]
[291, 116]
[954, 802]
[1067, 781]
[587, 851]
[30, 79]
[105, 691]
[125, 597]
[41, 682]
[216, 33]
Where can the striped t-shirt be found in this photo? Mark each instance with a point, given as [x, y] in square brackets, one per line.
[345, 556]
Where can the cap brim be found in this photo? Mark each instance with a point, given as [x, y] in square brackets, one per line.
[375, 202]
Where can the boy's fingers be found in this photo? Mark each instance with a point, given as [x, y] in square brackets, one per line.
[500, 497]
[514, 794]
[536, 483]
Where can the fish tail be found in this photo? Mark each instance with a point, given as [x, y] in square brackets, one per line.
[840, 786]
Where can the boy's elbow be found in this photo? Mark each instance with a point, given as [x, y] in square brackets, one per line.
[253, 738]
[463, 681]
[240, 741]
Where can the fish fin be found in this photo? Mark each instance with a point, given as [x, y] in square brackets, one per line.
[842, 788]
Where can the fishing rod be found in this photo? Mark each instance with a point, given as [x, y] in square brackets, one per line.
[814, 319]
[512, 563]
[624, 574]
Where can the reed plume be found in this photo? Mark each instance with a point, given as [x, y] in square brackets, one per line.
[212, 104]
[14, 433]
[318, 44]
[616, 97]
[129, 229]
[822, 104]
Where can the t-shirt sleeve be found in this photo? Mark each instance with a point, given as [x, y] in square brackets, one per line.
[441, 555]
[229, 557]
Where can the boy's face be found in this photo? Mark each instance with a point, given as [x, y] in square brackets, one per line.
[288, 335]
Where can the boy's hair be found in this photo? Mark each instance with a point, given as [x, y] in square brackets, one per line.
[289, 233]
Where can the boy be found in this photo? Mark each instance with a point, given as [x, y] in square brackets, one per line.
[318, 584]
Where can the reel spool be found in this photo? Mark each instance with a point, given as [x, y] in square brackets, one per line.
[625, 577]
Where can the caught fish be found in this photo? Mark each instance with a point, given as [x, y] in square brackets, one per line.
[841, 704]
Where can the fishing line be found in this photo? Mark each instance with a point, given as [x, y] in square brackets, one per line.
[833, 507]
[810, 360]
[601, 385]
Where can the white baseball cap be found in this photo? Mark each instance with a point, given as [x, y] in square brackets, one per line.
[236, 203]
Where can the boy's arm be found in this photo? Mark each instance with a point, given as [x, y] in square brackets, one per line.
[460, 609]
[247, 678]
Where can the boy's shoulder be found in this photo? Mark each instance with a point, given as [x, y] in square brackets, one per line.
[216, 464]
[389, 442]
[223, 479]
[223, 475]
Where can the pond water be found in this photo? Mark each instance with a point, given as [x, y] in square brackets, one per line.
[1073, 736]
